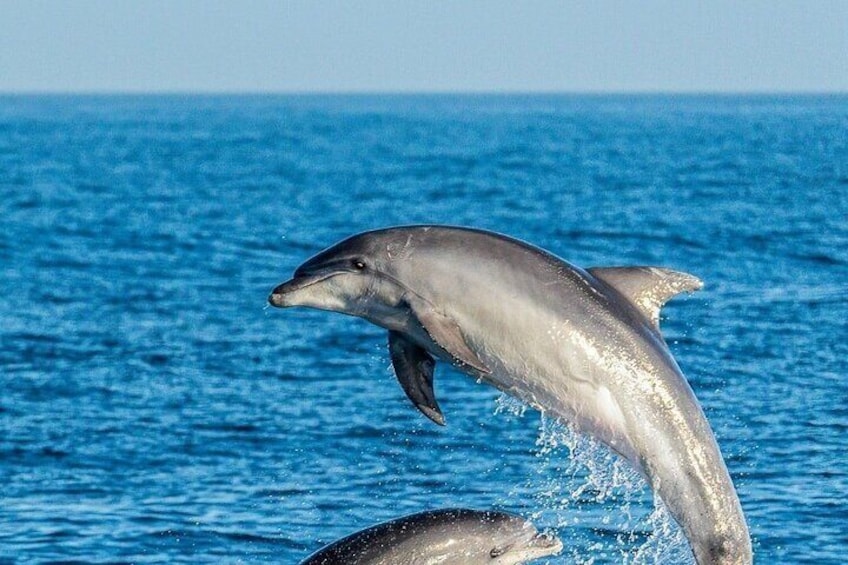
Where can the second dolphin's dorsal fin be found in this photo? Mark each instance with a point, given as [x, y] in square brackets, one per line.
[648, 288]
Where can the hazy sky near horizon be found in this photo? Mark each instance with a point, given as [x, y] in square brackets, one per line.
[387, 46]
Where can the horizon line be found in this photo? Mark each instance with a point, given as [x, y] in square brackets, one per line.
[407, 92]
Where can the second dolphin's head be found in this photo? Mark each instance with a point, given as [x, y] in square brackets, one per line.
[451, 536]
[513, 540]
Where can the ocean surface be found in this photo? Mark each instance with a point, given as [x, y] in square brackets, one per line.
[154, 409]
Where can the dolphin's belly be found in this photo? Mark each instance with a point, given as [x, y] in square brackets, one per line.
[591, 408]
[565, 370]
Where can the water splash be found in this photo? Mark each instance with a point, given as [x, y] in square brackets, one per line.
[510, 405]
[665, 544]
[597, 502]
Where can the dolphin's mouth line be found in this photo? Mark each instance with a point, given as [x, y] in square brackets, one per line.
[312, 279]
[296, 284]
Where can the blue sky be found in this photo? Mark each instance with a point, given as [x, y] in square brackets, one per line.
[368, 46]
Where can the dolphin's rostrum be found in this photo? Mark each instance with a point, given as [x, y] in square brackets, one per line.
[581, 345]
[451, 536]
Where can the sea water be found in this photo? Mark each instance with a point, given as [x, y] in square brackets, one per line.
[154, 409]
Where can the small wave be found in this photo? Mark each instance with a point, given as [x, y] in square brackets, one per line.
[819, 258]
[213, 538]
[76, 562]
[249, 538]
[804, 294]
[278, 492]
[228, 427]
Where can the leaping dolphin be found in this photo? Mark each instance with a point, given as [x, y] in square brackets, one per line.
[581, 345]
[447, 537]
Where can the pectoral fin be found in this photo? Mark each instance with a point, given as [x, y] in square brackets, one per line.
[414, 370]
[447, 335]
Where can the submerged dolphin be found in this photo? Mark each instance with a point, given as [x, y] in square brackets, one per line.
[443, 537]
[582, 345]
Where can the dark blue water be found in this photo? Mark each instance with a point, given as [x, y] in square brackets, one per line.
[153, 409]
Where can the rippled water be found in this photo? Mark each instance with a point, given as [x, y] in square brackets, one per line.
[154, 410]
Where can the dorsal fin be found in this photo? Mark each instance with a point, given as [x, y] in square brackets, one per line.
[648, 288]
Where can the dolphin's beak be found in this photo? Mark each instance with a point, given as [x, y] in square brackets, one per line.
[278, 295]
[282, 295]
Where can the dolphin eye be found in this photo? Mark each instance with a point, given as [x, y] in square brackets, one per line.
[496, 552]
[358, 264]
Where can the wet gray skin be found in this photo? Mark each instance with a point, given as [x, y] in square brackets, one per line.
[443, 537]
[581, 345]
